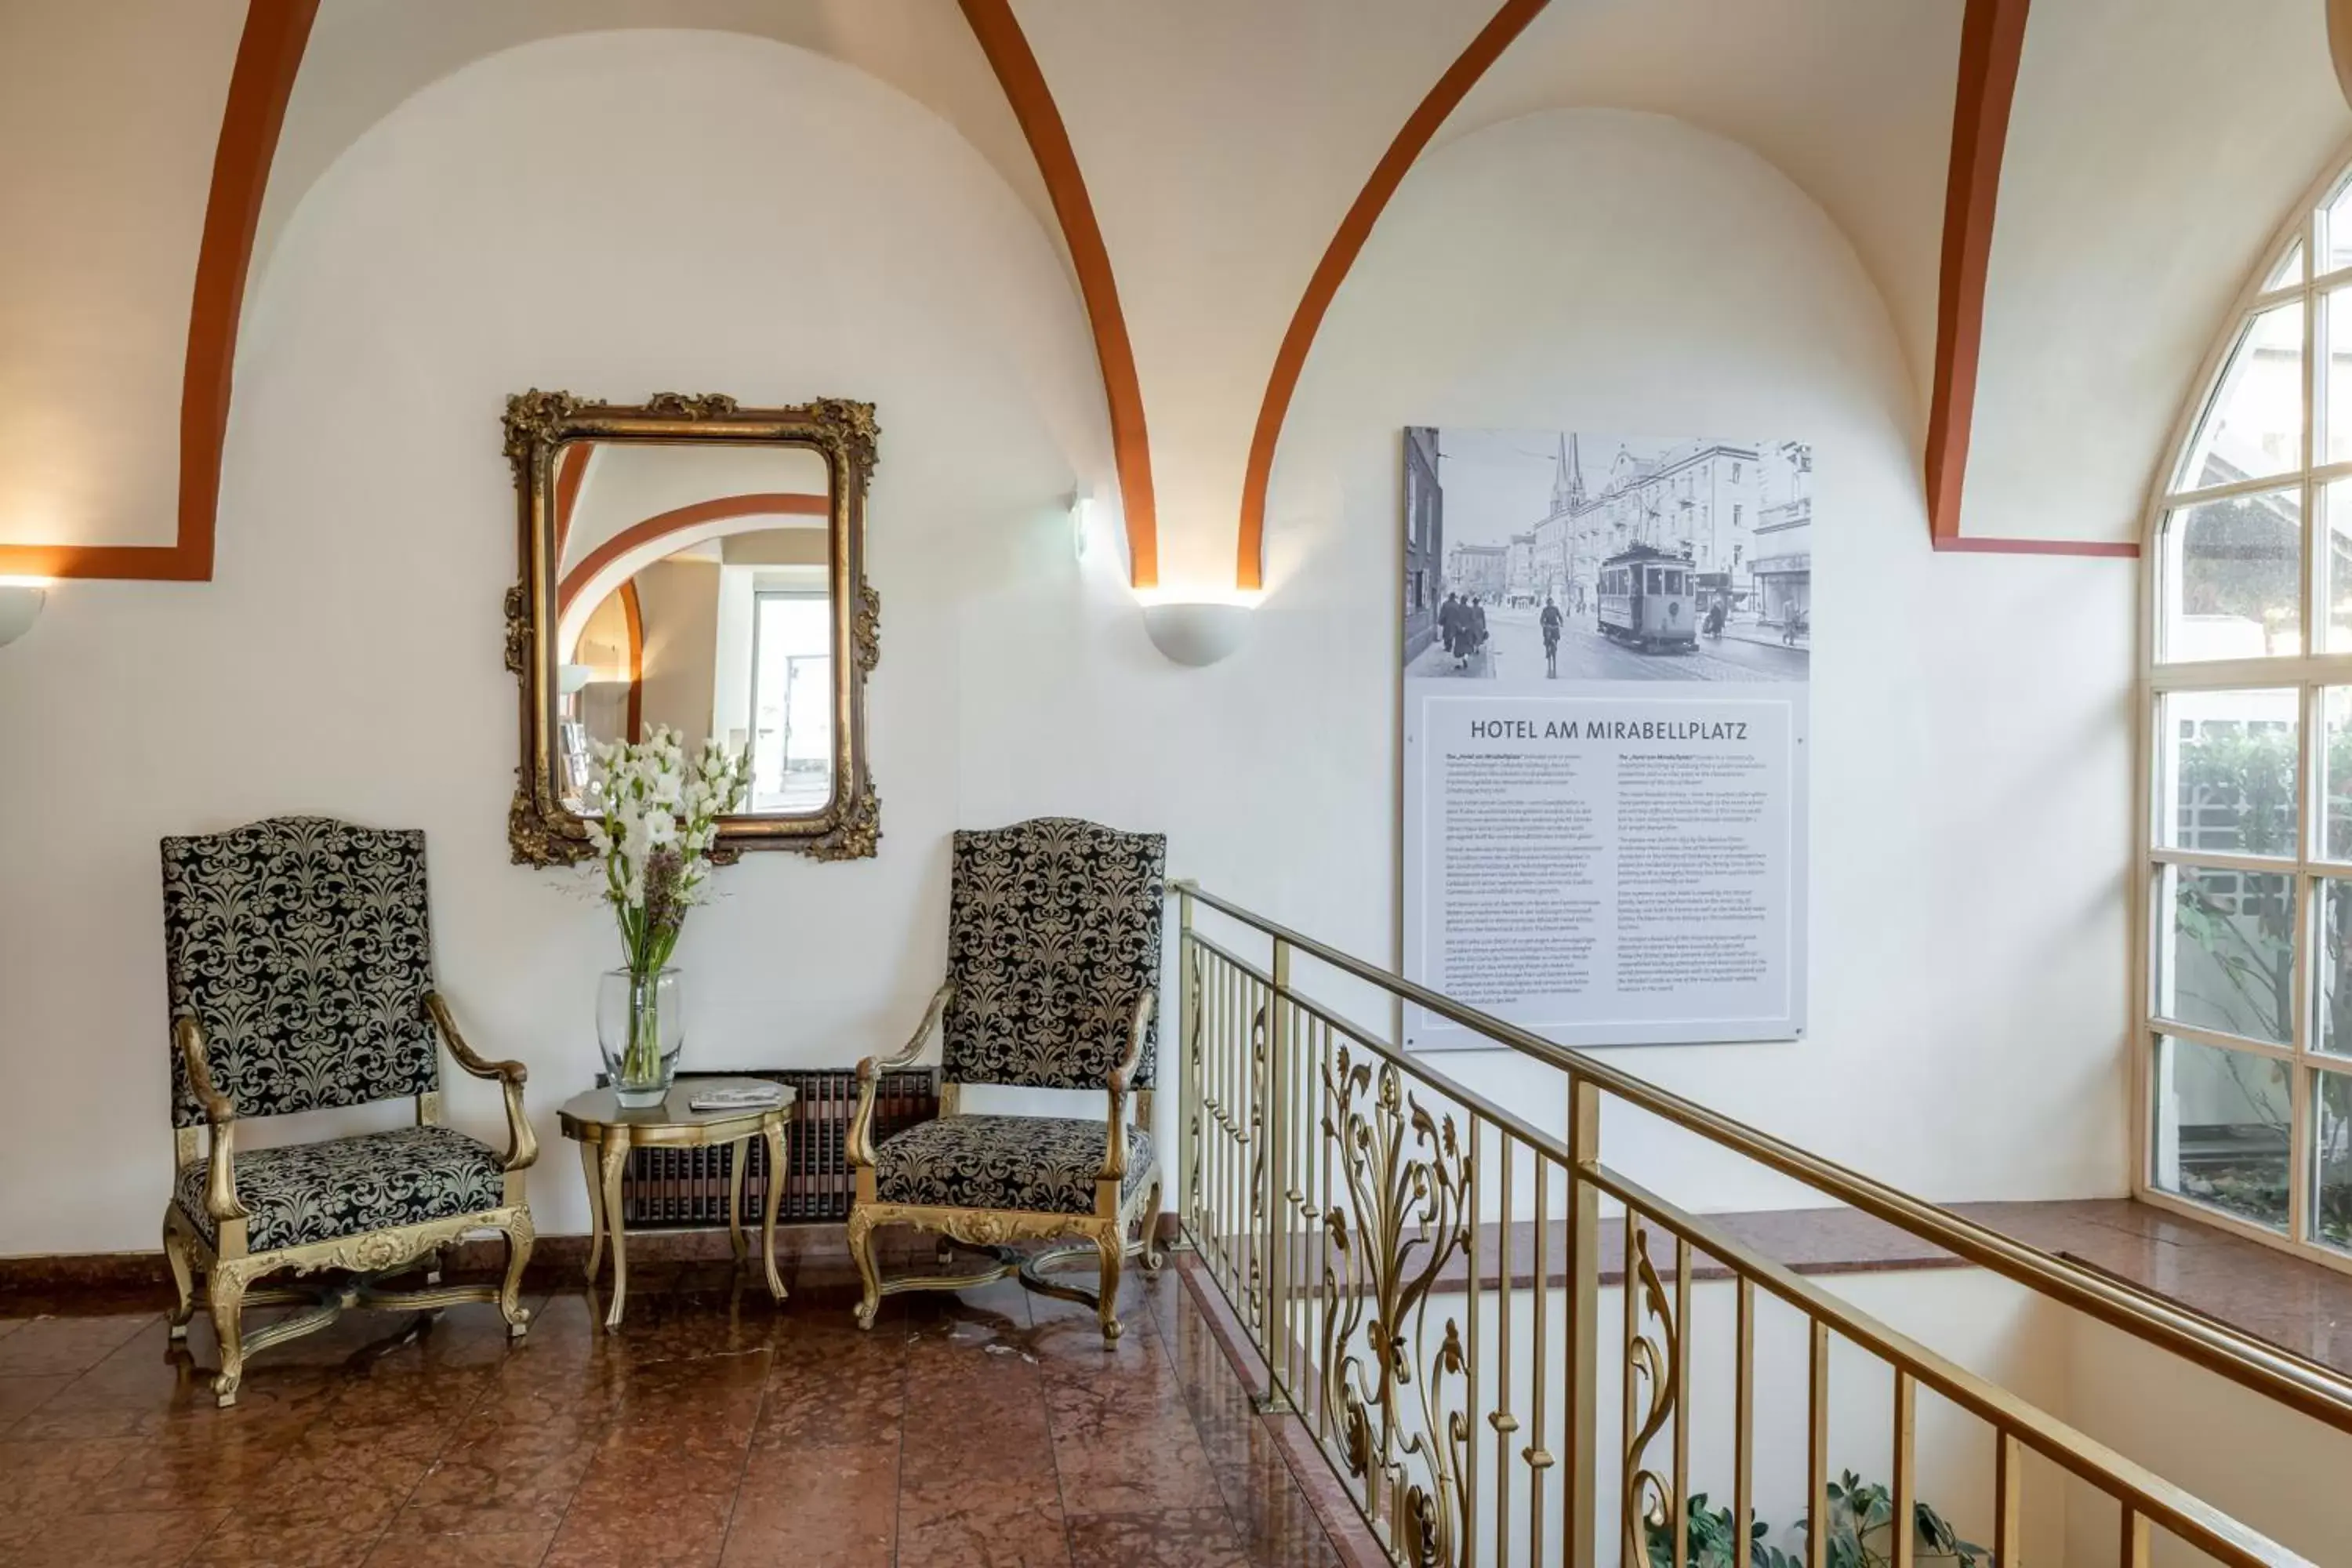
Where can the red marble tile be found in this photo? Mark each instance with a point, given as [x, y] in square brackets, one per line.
[503, 1477]
[1183, 1538]
[198, 1462]
[647, 1531]
[838, 1391]
[114, 1540]
[666, 1460]
[506, 1548]
[20, 1396]
[832, 1504]
[980, 1523]
[47, 1346]
[953, 1435]
[1128, 1446]
[45, 1477]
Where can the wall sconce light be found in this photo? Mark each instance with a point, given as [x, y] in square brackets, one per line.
[1196, 632]
[571, 678]
[1082, 516]
[21, 599]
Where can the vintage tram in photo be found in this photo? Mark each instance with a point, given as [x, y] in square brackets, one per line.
[1648, 600]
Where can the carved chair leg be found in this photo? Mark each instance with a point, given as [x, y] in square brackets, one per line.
[596, 1216]
[520, 1233]
[225, 1293]
[1111, 1243]
[1150, 1235]
[433, 1267]
[861, 1251]
[180, 1257]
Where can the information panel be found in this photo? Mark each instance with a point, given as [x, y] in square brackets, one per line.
[1605, 709]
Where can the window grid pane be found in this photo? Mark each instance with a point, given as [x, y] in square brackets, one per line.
[2223, 1129]
[2260, 1134]
[2233, 571]
[2254, 426]
[2225, 770]
[2225, 959]
[2331, 1205]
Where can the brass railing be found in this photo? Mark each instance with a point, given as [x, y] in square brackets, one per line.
[1423, 1270]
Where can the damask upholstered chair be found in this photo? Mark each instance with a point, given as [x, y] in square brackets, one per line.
[1054, 933]
[301, 966]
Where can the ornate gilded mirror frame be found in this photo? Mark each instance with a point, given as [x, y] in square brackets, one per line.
[540, 829]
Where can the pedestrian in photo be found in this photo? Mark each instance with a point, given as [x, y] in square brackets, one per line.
[1478, 624]
[1715, 619]
[1449, 622]
[1550, 620]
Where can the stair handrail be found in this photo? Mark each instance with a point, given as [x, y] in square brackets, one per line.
[2251, 1363]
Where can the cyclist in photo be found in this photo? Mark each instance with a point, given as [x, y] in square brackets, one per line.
[1551, 623]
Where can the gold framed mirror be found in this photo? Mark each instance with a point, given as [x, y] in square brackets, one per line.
[692, 564]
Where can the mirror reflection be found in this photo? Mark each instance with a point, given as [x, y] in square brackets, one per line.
[694, 590]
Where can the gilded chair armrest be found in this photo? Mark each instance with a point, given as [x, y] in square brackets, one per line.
[860, 1147]
[522, 1143]
[1114, 1166]
[220, 1178]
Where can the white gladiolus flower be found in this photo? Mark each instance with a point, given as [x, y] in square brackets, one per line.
[654, 822]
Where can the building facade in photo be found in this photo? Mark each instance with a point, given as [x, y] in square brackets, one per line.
[1477, 569]
[1519, 586]
[1424, 539]
[1782, 565]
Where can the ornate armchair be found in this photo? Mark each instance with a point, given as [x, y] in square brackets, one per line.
[1054, 933]
[299, 959]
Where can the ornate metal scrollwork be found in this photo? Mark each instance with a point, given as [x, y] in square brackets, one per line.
[1406, 1216]
[1253, 1138]
[1193, 1196]
[1650, 1364]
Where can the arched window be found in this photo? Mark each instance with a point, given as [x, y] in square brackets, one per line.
[2245, 1061]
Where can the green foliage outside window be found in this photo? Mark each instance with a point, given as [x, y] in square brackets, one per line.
[2243, 775]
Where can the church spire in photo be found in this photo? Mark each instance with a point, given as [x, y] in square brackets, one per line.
[1568, 477]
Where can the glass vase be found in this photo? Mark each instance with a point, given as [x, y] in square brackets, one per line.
[641, 1025]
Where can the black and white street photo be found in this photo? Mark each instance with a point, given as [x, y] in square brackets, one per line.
[1608, 643]
[1563, 555]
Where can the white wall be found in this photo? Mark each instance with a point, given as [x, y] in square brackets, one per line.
[1972, 774]
[1971, 766]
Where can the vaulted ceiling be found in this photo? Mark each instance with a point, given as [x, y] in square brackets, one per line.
[1206, 170]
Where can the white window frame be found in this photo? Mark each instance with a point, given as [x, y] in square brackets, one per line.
[2311, 674]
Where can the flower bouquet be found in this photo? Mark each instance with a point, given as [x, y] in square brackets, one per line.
[653, 820]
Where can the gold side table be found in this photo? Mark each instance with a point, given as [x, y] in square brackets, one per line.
[606, 1131]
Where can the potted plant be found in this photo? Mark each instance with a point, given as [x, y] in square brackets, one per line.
[653, 820]
[1861, 1534]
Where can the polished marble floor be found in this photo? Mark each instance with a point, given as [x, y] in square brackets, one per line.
[982, 1429]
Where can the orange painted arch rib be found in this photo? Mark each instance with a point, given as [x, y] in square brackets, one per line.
[1992, 45]
[268, 53]
[1992, 41]
[570, 471]
[1009, 55]
[717, 509]
[1507, 24]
